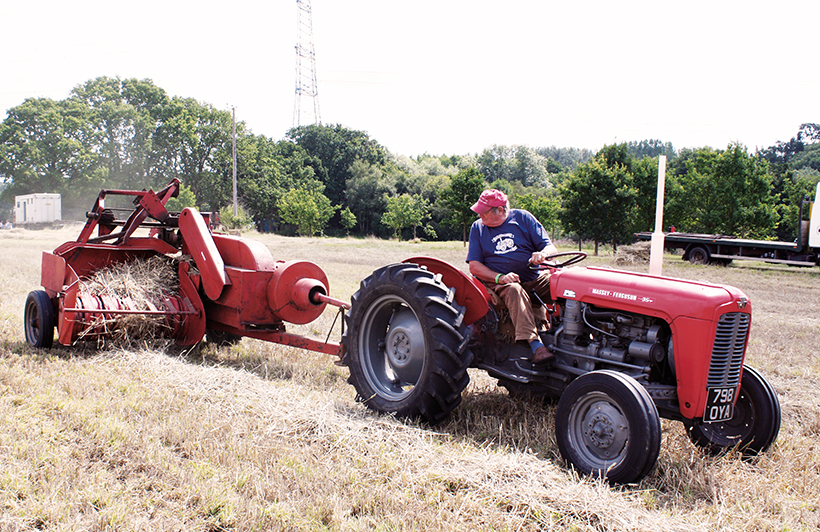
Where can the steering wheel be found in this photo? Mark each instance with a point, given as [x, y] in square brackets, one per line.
[574, 258]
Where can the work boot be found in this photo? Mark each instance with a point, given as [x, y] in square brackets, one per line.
[542, 355]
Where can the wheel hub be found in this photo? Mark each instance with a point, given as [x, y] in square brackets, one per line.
[399, 347]
[599, 431]
[605, 430]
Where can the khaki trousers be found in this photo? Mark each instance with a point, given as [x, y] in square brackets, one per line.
[517, 299]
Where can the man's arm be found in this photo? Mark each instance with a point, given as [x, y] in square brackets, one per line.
[484, 273]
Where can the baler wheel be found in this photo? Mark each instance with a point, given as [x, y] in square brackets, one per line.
[221, 338]
[39, 319]
[754, 425]
[606, 425]
[405, 344]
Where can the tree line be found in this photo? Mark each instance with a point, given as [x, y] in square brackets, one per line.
[328, 179]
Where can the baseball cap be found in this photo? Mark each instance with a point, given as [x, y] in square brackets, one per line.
[489, 199]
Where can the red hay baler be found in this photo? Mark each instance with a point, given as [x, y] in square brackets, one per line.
[227, 285]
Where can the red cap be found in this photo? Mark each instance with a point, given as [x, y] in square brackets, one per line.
[489, 199]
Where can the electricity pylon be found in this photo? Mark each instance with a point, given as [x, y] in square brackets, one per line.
[306, 86]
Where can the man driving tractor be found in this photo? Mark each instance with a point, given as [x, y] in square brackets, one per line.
[504, 243]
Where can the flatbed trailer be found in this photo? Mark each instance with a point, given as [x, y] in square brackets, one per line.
[720, 249]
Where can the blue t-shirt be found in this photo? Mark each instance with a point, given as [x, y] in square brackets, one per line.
[508, 247]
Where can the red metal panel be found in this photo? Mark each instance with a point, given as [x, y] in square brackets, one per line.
[252, 291]
[242, 253]
[203, 249]
[193, 325]
[635, 292]
[154, 206]
[52, 274]
[66, 320]
[285, 291]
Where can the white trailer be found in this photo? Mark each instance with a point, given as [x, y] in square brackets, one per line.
[37, 209]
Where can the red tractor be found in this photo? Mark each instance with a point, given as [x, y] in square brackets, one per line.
[629, 348]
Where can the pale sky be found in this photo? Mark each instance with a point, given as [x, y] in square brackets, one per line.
[447, 76]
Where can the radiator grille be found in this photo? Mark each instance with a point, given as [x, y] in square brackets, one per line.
[727, 351]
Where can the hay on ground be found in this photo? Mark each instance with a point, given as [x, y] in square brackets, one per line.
[635, 254]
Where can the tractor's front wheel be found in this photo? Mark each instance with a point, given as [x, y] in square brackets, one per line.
[754, 425]
[405, 344]
[607, 426]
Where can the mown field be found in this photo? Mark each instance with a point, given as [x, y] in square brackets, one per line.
[264, 437]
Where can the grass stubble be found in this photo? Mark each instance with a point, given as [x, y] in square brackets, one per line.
[264, 437]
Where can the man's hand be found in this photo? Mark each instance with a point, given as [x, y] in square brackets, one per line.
[540, 256]
[511, 277]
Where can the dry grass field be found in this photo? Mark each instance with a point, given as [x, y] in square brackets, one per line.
[264, 437]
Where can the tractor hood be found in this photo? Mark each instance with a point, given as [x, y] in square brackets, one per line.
[664, 297]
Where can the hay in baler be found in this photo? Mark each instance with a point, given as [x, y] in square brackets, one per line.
[140, 284]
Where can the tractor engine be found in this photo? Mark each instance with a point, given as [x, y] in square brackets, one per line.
[592, 338]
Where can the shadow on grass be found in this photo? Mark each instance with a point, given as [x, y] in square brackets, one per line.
[269, 361]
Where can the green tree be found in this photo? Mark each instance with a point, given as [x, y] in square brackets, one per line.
[566, 158]
[348, 219]
[723, 192]
[193, 143]
[545, 209]
[368, 188]
[798, 186]
[336, 148]
[239, 221]
[46, 146]
[599, 198]
[406, 211]
[308, 210]
[515, 164]
[645, 182]
[186, 198]
[122, 115]
[650, 148]
[464, 189]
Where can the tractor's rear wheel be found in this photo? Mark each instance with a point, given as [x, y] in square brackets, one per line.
[39, 319]
[607, 426]
[405, 344]
[754, 425]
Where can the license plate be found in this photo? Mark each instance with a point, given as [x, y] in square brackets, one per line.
[720, 404]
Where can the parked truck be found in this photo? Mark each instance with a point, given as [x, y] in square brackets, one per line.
[37, 210]
[721, 249]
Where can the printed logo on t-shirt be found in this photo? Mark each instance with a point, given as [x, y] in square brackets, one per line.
[504, 243]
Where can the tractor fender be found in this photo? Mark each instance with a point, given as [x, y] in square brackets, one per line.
[470, 293]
